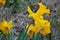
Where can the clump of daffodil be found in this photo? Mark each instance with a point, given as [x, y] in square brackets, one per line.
[2, 2]
[41, 25]
[5, 26]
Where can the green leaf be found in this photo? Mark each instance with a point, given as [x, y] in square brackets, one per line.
[21, 35]
[11, 1]
[10, 36]
[33, 37]
[26, 37]
[4, 37]
[54, 21]
[37, 36]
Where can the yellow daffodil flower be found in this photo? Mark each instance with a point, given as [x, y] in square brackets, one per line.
[42, 10]
[5, 26]
[3, 2]
[41, 25]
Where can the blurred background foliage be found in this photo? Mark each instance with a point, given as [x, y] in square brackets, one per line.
[17, 11]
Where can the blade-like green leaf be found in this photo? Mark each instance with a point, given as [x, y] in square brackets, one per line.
[37, 36]
[21, 35]
[10, 36]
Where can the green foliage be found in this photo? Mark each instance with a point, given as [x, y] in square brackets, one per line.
[10, 36]
[37, 36]
[19, 5]
[24, 36]
[21, 35]
[4, 37]
[54, 21]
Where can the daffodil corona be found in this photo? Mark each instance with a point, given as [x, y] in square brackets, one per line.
[41, 25]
